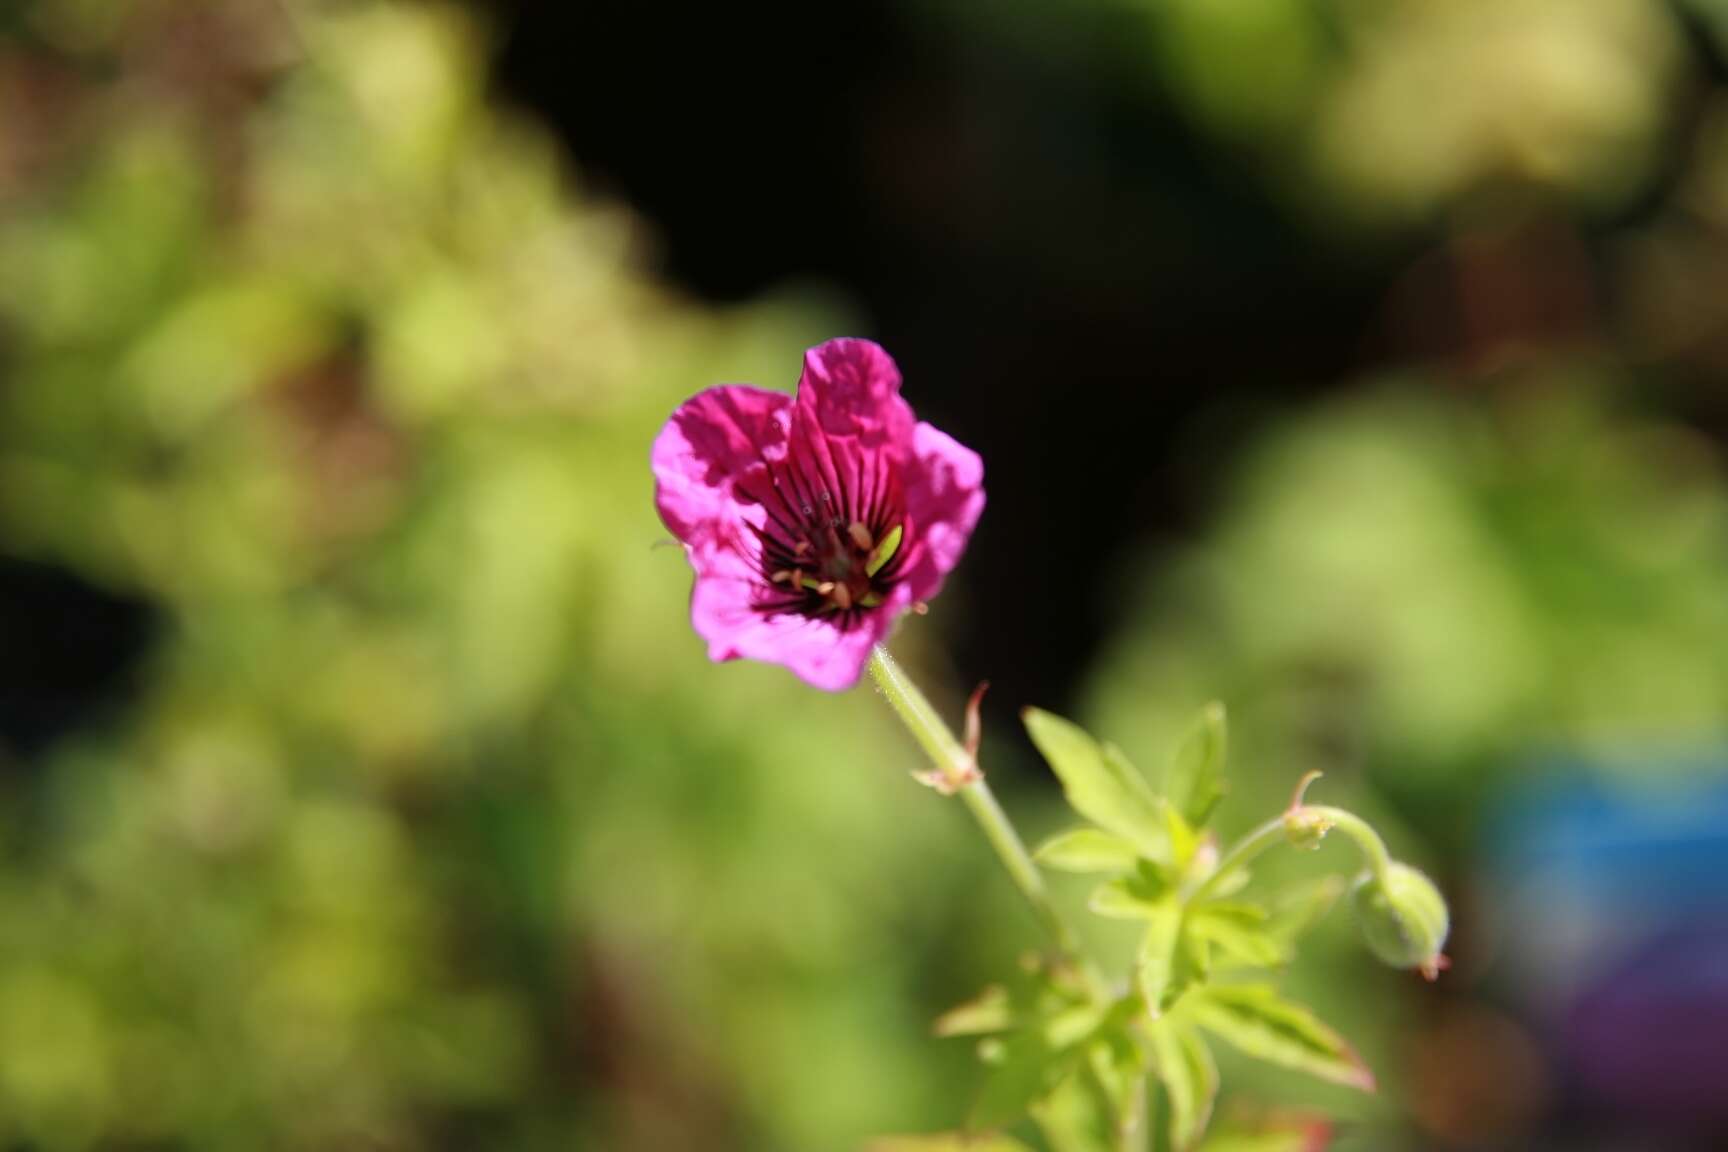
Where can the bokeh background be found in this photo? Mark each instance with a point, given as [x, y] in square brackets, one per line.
[1360, 362]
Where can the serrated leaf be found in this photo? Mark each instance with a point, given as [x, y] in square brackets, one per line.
[1189, 1077]
[1136, 897]
[947, 1142]
[1087, 850]
[1105, 789]
[1194, 782]
[990, 1011]
[1255, 1020]
[1241, 933]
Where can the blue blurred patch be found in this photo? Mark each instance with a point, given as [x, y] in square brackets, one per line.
[1608, 896]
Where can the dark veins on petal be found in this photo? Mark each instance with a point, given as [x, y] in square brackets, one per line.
[831, 544]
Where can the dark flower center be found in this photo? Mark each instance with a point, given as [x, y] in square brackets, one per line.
[830, 548]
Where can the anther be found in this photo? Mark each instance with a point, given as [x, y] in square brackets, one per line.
[860, 536]
[781, 576]
[842, 596]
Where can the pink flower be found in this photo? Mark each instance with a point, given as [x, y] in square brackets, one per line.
[813, 521]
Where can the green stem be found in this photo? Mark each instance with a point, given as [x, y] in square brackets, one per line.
[1373, 848]
[1275, 831]
[961, 775]
[1246, 849]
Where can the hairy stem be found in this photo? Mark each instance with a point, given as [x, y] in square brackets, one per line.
[961, 776]
[1277, 830]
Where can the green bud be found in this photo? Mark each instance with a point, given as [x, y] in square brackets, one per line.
[1403, 919]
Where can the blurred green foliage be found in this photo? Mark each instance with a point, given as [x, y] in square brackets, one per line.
[409, 833]
[1363, 115]
[1417, 591]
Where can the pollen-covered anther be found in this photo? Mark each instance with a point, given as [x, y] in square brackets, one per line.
[861, 538]
[784, 576]
[841, 595]
[879, 554]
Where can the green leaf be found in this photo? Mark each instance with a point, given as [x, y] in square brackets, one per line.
[1190, 1078]
[1184, 840]
[1193, 962]
[1194, 782]
[1254, 1019]
[947, 1142]
[1104, 789]
[990, 1011]
[1119, 1065]
[1155, 970]
[1137, 897]
[1069, 1026]
[1024, 1068]
[1087, 850]
[1077, 1116]
[1301, 909]
[1294, 1134]
[1241, 932]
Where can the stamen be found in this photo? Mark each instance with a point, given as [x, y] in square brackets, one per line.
[825, 587]
[842, 596]
[801, 548]
[781, 576]
[884, 551]
[860, 536]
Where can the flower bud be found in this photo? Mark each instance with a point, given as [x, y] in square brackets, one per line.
[1404, 918]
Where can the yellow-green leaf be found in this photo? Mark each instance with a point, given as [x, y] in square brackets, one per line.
[1254, 1019]
[990, 1011]
[1194, 782]
[1087, 850]
[1189, 1077]
[1103, 788]
[1141, 896]
[947, 1142]
[1241, 932]
[1155, 969]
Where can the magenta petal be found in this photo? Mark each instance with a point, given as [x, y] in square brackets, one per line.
[944, 488]
[851, 389]
[712, 440]
[815, 649]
